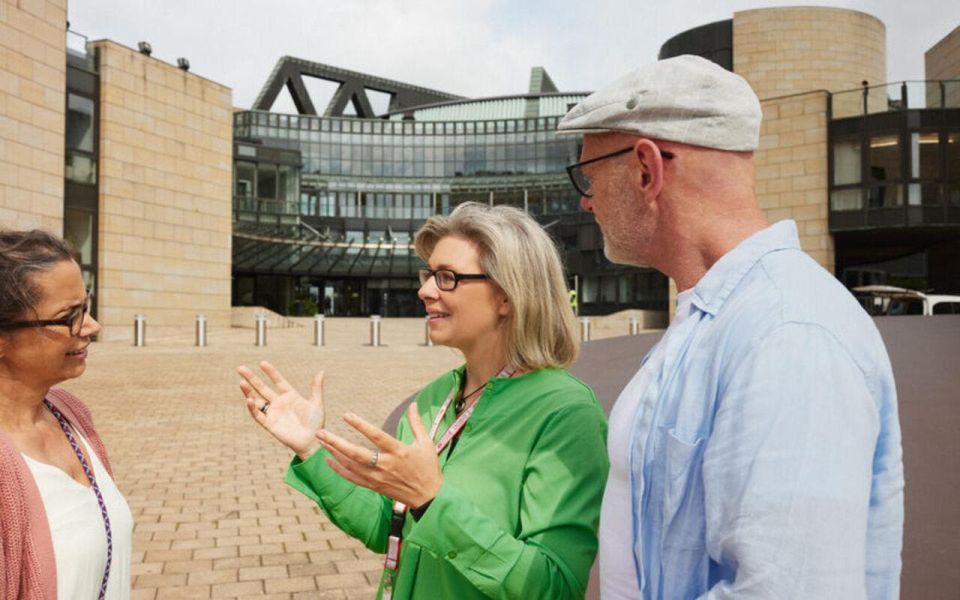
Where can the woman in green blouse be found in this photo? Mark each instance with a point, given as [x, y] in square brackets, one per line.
[492, 486]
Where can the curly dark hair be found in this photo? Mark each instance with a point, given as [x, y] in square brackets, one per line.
[23, 255]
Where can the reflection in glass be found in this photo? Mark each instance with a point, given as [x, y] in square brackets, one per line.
[953, 156]
[885, 158]
[846, 160]
[244, 178]
[924, 155]
[266, 182]
[80, 168]
[78, 230]
[884, 196]
[80, 128]
[846, 200]
[288, 184]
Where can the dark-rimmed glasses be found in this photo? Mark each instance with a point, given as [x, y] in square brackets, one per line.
[73, 319]
[582, 183]
[446, 279]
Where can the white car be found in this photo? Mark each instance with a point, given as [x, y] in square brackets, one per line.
[891, 300]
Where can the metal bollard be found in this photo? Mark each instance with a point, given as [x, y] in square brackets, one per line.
[201, 330]
[319, 335]
[261, 329]
[426, 332]
[139, 330]
[634, 326]
[374, 330]
[584, 329]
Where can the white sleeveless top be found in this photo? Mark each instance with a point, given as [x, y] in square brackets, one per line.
[76, 526]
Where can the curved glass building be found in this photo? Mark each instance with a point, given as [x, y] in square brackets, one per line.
[326, 204]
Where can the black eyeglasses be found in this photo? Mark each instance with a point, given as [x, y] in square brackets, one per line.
[74, 319]
[582, 183]
[446, 279]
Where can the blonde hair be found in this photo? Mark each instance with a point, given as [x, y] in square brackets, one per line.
[519, 257]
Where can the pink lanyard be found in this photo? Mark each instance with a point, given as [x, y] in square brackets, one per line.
[392, 560]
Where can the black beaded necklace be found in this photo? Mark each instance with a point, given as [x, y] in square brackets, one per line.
[462, 400]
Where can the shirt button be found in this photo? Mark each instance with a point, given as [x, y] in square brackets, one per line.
[452, 554]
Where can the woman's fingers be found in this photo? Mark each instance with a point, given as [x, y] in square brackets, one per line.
[379, 437]
[341, 447]
[416, 425]
[359, 468]
[257, 384]
[316, 389]
[255, 412]
[276, 377]
[347, 474]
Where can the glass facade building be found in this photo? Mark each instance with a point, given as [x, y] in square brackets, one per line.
[893, 180]
[895, 184]
[326, 206]
[81, 206]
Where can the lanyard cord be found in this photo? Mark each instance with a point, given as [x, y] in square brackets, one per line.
[96, 490]
[394, 539]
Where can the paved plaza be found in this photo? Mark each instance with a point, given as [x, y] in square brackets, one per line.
[213, 518]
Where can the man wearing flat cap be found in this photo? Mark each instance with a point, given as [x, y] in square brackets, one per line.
[756, 452]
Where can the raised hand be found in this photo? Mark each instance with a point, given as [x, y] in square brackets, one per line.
[408, 473]
[288, 416]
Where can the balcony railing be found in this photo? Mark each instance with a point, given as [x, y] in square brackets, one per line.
[265, 211]
[901, 95]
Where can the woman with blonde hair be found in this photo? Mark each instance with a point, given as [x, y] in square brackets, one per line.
[500, 496]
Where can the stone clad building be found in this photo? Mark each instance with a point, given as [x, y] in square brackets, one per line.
[870, 170]
[32, 79]
[180, 204]
[135, 172]
[164, 173]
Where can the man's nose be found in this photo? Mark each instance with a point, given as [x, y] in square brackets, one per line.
[586, 204]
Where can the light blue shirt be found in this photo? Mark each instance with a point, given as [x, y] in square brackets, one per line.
[765, 458]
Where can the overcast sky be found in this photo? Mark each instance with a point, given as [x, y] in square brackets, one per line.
[468, 47]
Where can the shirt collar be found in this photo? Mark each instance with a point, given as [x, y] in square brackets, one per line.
[724, 276]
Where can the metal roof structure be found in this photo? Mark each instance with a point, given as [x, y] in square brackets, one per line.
[289, 72]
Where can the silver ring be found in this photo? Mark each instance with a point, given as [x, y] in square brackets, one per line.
[264, 408]
[374, 458]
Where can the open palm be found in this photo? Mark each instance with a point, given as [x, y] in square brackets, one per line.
[289, 417]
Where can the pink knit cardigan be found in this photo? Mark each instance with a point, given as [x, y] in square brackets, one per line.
[27, 567]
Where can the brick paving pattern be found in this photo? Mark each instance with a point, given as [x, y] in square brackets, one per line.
[213, 518]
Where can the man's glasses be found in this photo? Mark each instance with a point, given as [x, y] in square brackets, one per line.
[446, 279]
[580, 180]
[73, 319]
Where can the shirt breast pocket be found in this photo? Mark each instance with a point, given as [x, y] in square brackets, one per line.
[683, 503]
[683, 555]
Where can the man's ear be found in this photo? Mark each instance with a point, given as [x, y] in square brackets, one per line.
[651, 167]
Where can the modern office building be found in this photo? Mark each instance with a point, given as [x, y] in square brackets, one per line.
[870, 170]
[326, 204]
[181, 204]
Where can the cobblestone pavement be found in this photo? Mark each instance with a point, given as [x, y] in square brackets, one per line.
[213, 518]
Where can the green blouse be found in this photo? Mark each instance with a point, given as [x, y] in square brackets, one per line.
[517, 514]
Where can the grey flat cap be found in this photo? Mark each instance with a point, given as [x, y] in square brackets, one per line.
[685, 99]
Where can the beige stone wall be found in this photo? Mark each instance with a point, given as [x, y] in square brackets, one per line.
[942, 61]
[32, 97]
[165, 203]
[784, 51]
[792, 57]
[792, 169]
